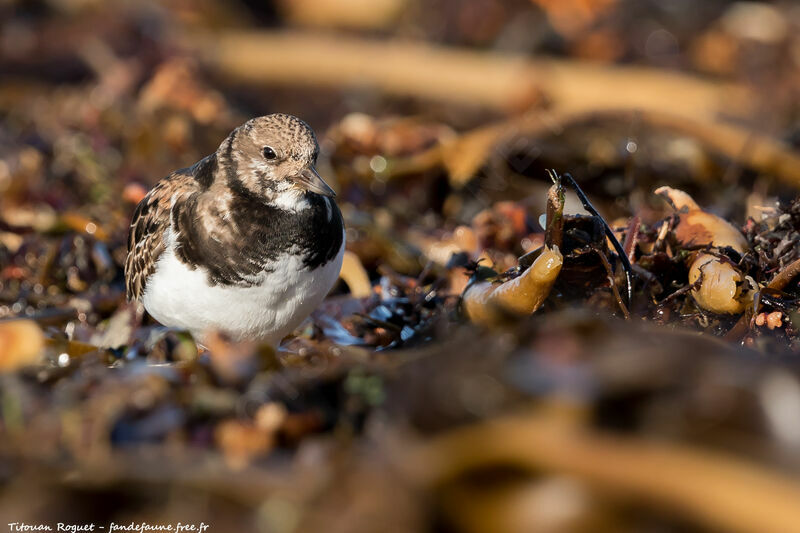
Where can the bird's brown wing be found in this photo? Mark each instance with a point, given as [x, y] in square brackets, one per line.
[152, 218]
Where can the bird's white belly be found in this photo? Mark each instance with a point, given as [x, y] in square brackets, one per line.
[179, 296]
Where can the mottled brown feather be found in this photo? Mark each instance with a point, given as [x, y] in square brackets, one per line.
[149, 225]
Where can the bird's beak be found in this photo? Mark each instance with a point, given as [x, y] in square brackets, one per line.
[310, 180]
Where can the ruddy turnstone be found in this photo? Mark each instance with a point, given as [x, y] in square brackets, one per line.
[247, 241]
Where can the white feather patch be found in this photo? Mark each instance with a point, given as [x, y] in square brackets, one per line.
[181, 297]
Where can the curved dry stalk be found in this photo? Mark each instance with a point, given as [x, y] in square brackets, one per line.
[486, 302]
[782, 279]
[462, 156]
[613, 283]
[495, 80]
[722, 492]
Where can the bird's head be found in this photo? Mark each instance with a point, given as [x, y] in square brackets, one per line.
[273, 156]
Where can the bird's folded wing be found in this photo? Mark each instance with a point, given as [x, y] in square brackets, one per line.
[152, 218]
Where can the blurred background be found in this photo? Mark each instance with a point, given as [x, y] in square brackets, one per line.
[437, 121]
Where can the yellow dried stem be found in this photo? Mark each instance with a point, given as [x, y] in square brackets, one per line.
[486, 302]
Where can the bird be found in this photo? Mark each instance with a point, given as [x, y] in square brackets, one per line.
[248, 241]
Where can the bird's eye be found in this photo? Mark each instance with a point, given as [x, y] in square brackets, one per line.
[269, 153]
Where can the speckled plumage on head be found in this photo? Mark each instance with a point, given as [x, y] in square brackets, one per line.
[236, 219]
[240, 154]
